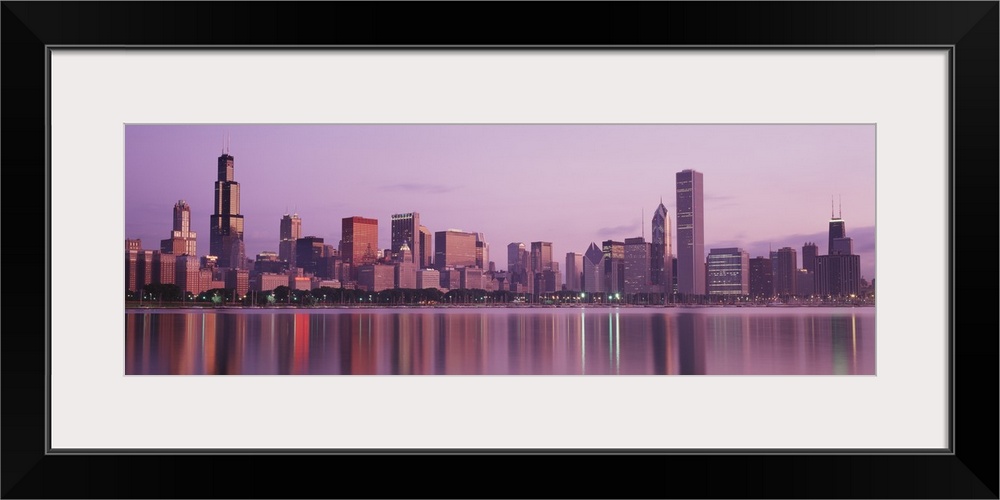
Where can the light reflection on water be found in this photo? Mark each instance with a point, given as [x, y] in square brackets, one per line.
[558, 341]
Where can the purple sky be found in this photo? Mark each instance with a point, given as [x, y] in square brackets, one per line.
[568, 184]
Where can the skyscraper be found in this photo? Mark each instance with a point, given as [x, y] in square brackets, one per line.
[637, 266]
[182, 239]
[406, 229]
[837, 230]
[541, 256]
[593, 269]
[426, 253]
[660, 274]
[454, 248]
[517, 263]
[838, 275]
[614, 266]
[182, 218]
[839, 272]
[482, 251]
[809, 253]
[226, 224]
[728, 272]
[574, 271]
[784, 271]
[761, 281]
[690, 232]
[308, 252]
[291, 230]
[359, 241]
[406, 268]
[514, 257]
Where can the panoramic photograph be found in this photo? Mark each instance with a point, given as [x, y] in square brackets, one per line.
[500, 249]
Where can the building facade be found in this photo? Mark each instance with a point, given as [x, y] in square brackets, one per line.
[541, 256]
[188, 276]
[637, 272]
[226, 223]
[593, 269]
[454, 248]
[406, 268]
[470, 278]
[428, 278]
[661, 251]
[239, 280]
[690, 232]
[359, 242]
[308, 253]
[838, 275]
[728, 272]
[784, 271]
[574, 271]
[482, 251]
[761, 281]
[405, 229]
[837, 230]
[426, 248]
[289, 231]
[182, 239]
[614, 266]
[376, 277]
[517, 263]
[809, 253]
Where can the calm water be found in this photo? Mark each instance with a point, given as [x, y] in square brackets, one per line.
[563, 341]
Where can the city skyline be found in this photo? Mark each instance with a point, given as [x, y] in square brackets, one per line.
[765, 185]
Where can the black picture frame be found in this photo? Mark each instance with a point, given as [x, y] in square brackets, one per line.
[968, 470]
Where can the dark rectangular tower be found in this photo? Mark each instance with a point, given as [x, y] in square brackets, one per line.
[809, 253]
[690, 232]
[226, 226]
[406, 229]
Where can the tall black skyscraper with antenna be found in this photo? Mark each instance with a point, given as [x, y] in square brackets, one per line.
[837, 229]
[226, 230]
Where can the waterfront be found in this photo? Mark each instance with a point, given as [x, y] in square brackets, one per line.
[501, 341]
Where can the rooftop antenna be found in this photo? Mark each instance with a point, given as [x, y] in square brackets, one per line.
[641, 224]
[223, 143]
[841, 214]
[831, 206]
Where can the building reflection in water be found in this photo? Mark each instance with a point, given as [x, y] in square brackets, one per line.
[636, 341]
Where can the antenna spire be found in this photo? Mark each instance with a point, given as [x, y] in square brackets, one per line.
[831, 207]
[642, 221]
[841, 200]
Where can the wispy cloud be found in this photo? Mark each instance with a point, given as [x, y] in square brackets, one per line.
[618, 231]
[422, 188]
[719, 197]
